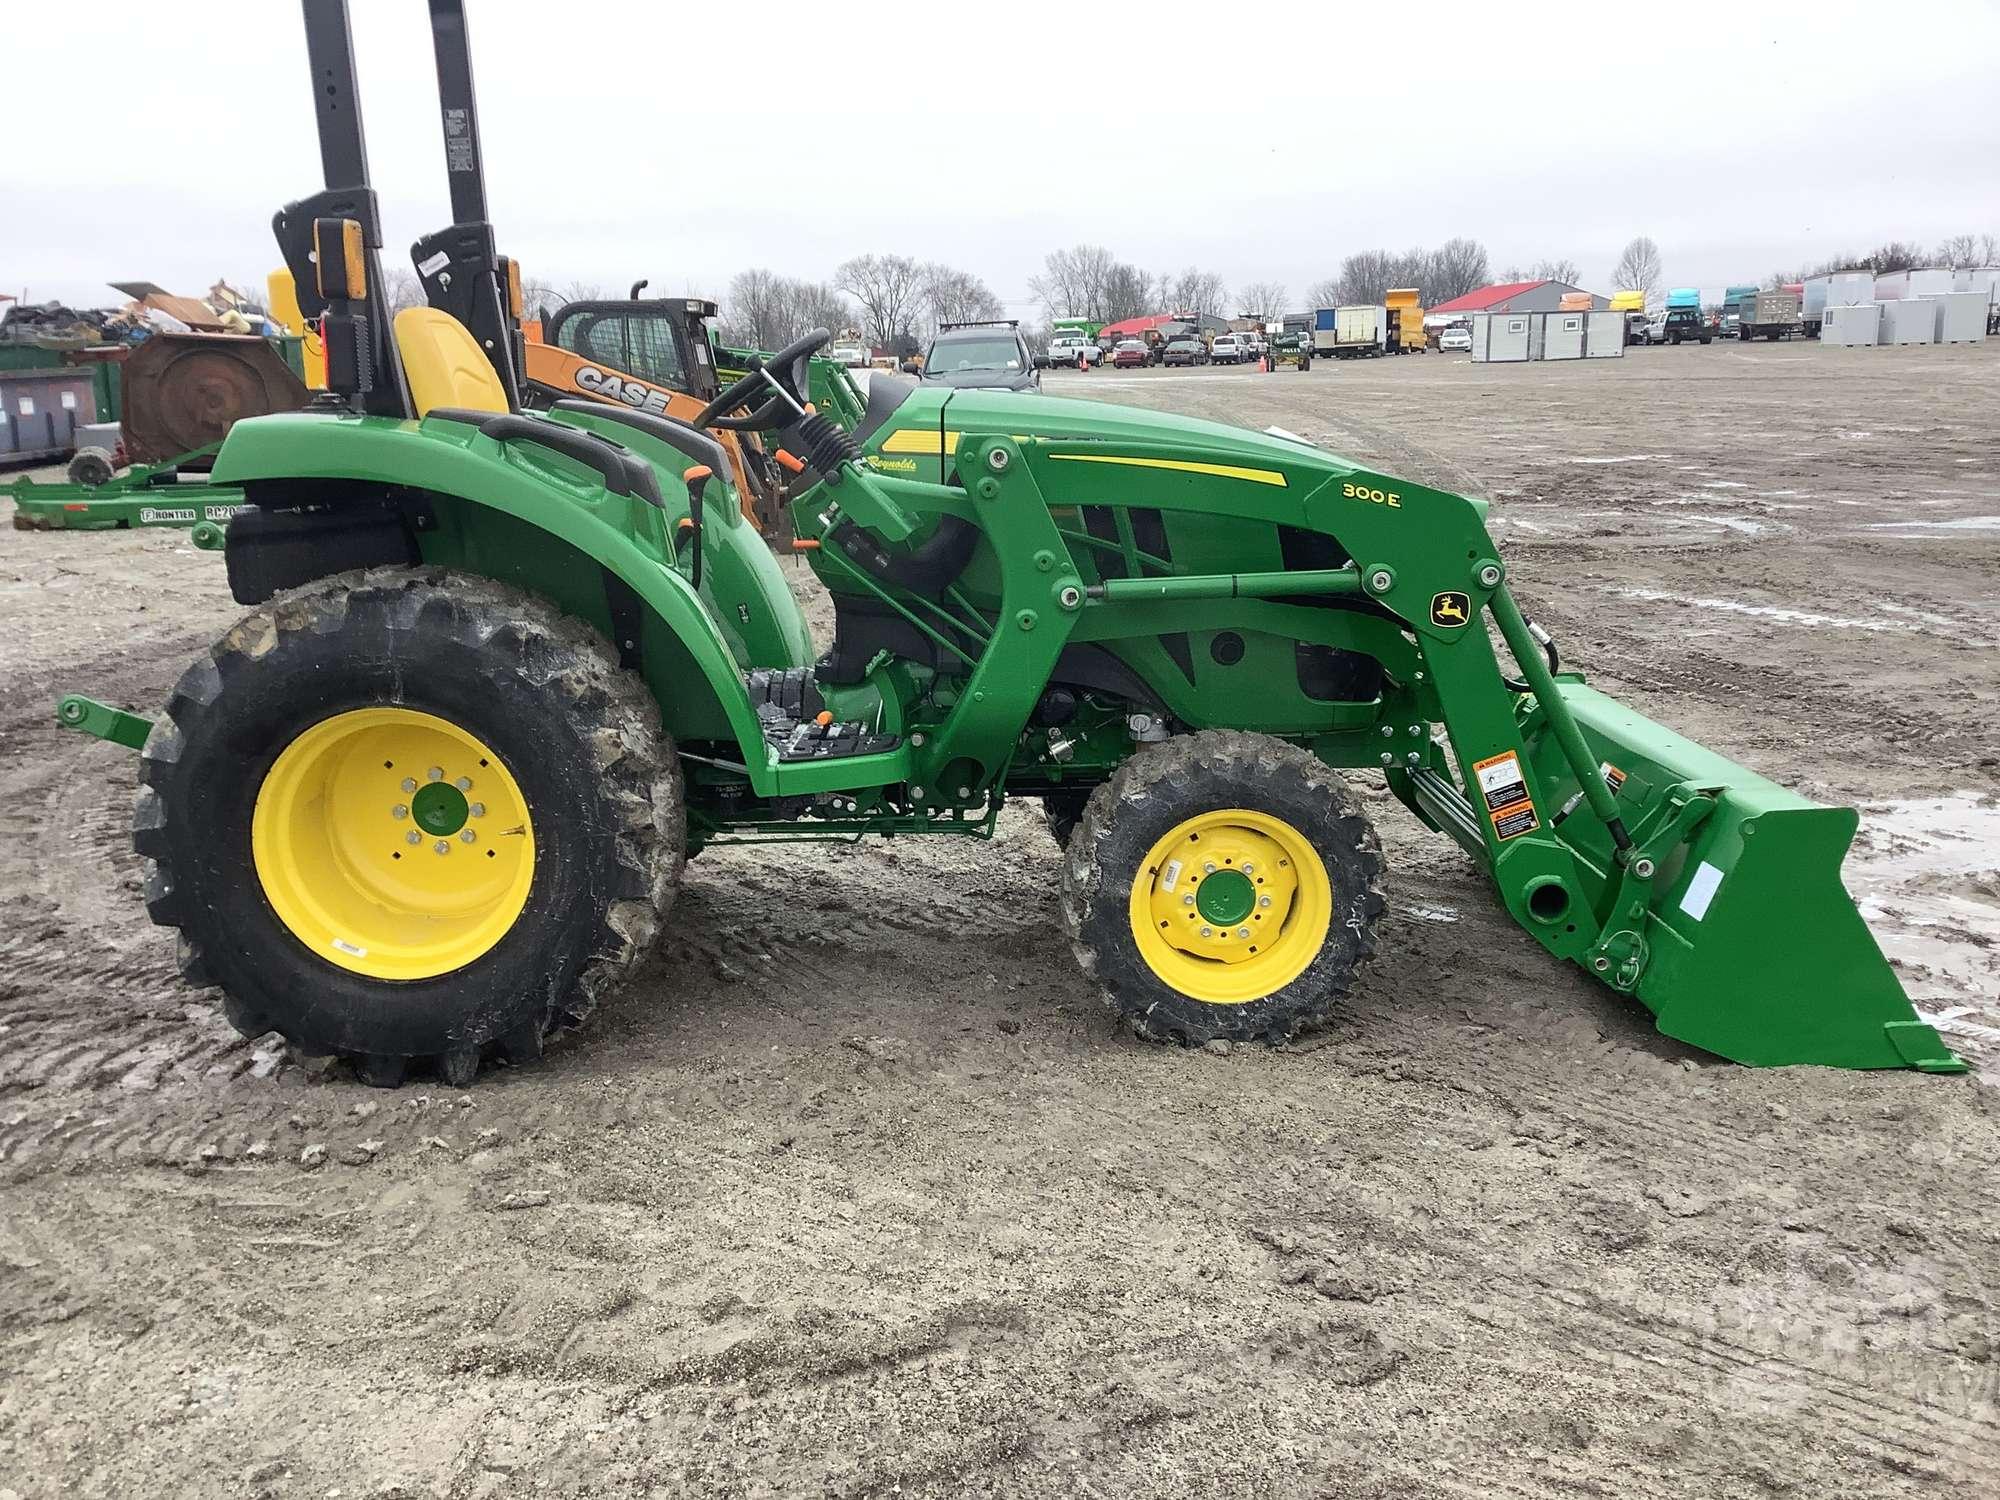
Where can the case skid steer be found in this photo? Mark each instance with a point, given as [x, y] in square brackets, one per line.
[502, 673]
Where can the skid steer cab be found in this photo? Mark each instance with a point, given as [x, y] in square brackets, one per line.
[503, 673]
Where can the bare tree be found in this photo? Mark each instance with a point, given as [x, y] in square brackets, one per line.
[1202, 293]
[538, 298]
[1323, 294]
[401, 289]
[753, 314]
[1088, 281]
[766, 311]
[1127, 293]
[1263, 300]
[1457, 266]
[582, 291]
[1638, 268]
[1989, 250]
[954, 296]
[1071, 283]
[890, 291]
[1895, 255]
[1565, 271]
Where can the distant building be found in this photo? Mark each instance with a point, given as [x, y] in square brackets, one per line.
[1138, 328]
[1512, 297]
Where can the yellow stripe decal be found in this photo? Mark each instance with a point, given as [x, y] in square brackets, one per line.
[1223, 471]
[920, 440]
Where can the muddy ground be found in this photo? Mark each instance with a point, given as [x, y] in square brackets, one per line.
[858, 1190]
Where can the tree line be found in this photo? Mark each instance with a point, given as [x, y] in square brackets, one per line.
[897, 301]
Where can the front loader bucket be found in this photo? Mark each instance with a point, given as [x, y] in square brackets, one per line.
[1752, 947]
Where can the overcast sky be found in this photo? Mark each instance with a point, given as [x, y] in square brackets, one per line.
[674, 142]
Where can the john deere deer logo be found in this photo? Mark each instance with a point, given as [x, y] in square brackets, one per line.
[1450, 608]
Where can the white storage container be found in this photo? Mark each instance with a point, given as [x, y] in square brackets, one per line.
[1850, 289]
[1499, 338]
[1979, 279]
[1555, 335]
[1910, 320]
[1961, 317]
[1851, 325]
[1604, 335]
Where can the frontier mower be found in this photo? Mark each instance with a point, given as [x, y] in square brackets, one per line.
[504, 672]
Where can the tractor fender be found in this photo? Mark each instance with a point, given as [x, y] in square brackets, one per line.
[527, 515]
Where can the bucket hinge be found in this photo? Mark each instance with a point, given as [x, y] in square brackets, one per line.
[1619, 955]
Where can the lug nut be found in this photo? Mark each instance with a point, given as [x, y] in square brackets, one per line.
[1243, 932]
[409, 783]
[464, 783]
[467, 837]
[1263, 900]
[1208, 932]
[1187, 901]
[435, 773]
[413, 837]
[478, 809]
[1208, 868]
[443, 846]
[1248, 868]
[399, 811]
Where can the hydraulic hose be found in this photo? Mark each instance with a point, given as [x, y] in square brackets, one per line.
[1548, 645]
[1528, 654]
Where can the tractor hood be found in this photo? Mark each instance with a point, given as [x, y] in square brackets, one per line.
[916, 439]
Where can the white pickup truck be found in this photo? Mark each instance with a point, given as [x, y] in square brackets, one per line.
[1067, 349]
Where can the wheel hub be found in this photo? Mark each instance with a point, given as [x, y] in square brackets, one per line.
[1231, 905]
[393, 843]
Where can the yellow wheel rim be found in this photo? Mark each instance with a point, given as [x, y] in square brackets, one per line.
[393, 843]
[1231, 906]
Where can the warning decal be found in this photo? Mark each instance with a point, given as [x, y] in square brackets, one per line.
[1613, 777]
[1500, 781]
[1506, 794]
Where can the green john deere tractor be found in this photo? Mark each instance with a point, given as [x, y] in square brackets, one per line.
[503, 673]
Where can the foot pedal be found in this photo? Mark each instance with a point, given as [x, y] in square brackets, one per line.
[789, 704]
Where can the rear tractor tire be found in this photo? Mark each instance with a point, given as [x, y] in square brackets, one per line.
[410, 818]
[1223, 886]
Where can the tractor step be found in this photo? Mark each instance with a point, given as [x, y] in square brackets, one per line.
[795, 721]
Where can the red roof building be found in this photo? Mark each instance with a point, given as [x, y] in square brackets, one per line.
[1511, 296]
[1133, 328]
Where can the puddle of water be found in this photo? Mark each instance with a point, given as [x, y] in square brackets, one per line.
[1926, 875]
[1768, 611]
[1723, 484]
[1742, 524]
[1425, 911]
[1963, 523]
[1624, 458]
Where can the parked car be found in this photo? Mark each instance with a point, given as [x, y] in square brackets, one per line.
[1184, 352]
[1456, 339]
[1683, 323]
[1228, 349]
[982, 357]
[852, 353]
[1128, 353]
[1066, 350]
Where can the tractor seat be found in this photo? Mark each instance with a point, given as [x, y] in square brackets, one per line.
[445, 367]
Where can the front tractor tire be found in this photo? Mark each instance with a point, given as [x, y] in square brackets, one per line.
[1223, 886]
[409, 817]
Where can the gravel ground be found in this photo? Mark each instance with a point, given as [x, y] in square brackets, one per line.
[858, 1190]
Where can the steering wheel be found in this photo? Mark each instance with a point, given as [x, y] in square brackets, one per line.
[785, 375]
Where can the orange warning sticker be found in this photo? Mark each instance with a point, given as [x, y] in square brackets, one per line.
[1506, 792]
